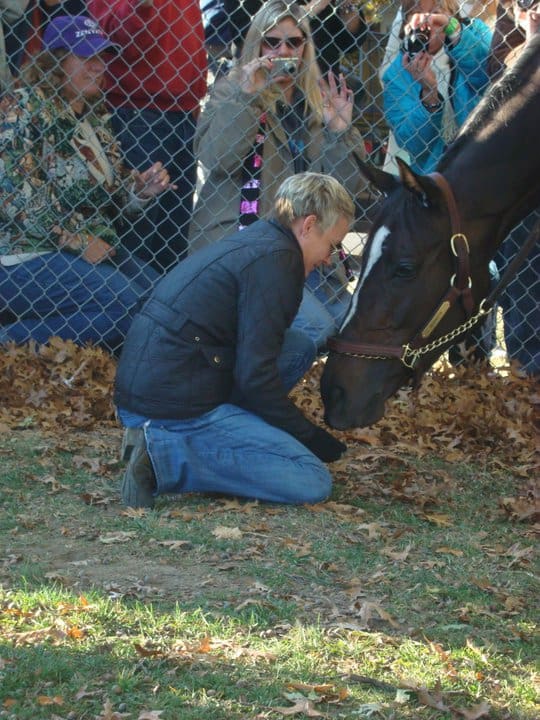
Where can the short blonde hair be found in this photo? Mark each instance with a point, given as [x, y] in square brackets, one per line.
[312, 194]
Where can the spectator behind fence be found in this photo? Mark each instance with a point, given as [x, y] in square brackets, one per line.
[433, 82]
[262, 125]
[436, 79]
[473, 8]
[63, 191]
[338, 28]
[217, 34]
[203, 374]
[516, 23]
[10, 12]
[155, 85]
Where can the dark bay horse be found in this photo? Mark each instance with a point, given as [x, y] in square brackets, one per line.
[425, 266]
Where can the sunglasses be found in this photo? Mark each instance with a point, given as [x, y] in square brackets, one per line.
[293, 43]
[526, 4]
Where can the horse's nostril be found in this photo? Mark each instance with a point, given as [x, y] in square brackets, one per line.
[334, 399]
[335, 407]
[337, 394]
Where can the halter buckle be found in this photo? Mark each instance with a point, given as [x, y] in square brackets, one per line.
[408, 351]
[453, 239]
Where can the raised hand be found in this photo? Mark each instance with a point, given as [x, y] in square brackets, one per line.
[420, 68]
[337, 102]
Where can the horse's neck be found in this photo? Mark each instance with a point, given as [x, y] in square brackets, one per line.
[496, 199]
[496, 174]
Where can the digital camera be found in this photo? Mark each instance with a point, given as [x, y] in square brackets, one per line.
[416, 41]
[283, 66]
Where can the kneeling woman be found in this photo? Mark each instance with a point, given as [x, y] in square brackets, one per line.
[63, 190]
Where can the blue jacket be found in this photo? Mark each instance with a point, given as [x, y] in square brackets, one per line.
[213, 329]
[416, 129]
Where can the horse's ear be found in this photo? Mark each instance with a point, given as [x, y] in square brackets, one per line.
[382, 181]
[420, 185]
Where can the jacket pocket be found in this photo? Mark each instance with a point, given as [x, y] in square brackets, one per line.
[172, 320]
[220, 358]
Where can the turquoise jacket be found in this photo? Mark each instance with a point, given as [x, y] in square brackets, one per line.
[418, 131]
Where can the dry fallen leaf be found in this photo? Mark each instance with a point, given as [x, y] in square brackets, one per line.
[438, 519]
[121, 536]
[302, 706]
[173, 544]
[398, 555]
[474, 712]
[221, 532]
[46, 700]
[449, 551]
[109, 714]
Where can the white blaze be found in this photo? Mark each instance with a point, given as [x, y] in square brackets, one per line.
[375, 252]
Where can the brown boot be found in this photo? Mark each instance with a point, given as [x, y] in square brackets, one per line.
[139, 484]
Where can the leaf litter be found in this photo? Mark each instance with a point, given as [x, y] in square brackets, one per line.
[459, 415]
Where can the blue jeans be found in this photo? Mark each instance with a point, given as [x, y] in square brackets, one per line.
[159, 236]
[232, 451]
[520, 301]
[61, 294]
[319, 315]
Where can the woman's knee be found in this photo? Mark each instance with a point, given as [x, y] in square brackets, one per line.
[316, 488]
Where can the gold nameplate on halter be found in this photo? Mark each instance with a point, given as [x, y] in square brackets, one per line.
[436, 319]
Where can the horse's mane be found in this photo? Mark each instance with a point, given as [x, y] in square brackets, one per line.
[514, 78]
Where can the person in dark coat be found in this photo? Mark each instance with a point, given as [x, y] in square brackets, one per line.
[517, 23]
[207, 364]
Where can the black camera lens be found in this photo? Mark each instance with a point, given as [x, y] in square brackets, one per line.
[526, 4]
[416, 41]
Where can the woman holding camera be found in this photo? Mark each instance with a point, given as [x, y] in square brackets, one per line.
[271, 117]
[436, 79]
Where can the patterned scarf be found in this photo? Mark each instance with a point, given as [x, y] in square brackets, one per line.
[250, 191]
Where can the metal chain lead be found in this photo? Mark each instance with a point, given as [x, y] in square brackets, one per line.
[415, 354]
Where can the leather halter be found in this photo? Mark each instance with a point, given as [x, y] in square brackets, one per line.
[458, 290]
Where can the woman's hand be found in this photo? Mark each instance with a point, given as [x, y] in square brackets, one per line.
[436, 22]
[253, 79]
[420, 68]
[532, 23]
[152, 182]
[337, 103]
[92, 248]
[97, 250]
[315, 7]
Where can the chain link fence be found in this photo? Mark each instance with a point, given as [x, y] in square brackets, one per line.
[89, 221]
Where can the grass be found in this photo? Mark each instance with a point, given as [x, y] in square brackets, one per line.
[383, 603]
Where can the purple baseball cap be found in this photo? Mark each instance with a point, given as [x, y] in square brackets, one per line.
[77, 33]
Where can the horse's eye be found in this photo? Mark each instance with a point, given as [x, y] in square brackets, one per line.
[405, 270]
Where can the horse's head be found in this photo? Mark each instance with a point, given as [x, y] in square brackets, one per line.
[409, 266]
